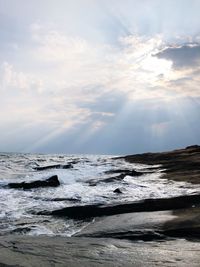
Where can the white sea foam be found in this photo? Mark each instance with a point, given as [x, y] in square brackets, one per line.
[17, 207]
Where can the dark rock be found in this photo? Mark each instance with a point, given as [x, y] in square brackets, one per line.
[120, 177]
[117, 191]
[21, 230]
[179, 165]
[126, 172]
[92, 183]
[147, 226]
[144, 235]
[74, 162]
[57, 199]
[50, 182]
[57, 166]
[193, 147]
[113, 179]
[65, 199]
[98, 210]
[94, 252]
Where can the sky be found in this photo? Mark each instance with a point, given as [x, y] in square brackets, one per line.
[99, 76]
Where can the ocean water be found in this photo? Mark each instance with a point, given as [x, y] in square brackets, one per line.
[18, 207]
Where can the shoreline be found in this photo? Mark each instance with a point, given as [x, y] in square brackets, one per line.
[158, 232]
[180, 165]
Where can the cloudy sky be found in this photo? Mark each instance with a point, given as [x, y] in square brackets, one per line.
[99, 76]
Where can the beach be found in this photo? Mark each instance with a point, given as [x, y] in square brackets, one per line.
[154, 231]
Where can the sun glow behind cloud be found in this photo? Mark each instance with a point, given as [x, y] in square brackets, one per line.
[157, 66]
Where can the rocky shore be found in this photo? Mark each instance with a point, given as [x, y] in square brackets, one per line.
[179, 165]
[151, 232]
[92, 252]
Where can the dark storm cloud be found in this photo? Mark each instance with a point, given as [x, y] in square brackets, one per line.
[185, 56]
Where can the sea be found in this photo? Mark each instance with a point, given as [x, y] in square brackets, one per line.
[81, 185]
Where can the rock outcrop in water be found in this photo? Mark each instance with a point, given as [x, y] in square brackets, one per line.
[120, 177]
[118, 191]
[50, 182]
[126, 172]
[147, 205]
[57, 166]
[94, 182]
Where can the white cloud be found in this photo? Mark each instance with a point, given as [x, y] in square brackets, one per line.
[69, 65]
[17, 80]
[66, 66]
[61, 75]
